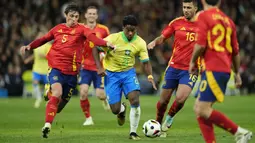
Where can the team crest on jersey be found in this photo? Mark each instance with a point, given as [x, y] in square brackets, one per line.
[55, 78]
[73, 32]
[127, 52]
[91, 44]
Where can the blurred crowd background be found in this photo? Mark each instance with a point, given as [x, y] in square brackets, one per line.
[21, 19]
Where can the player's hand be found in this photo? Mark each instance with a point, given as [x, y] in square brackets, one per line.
[101, 72]
[192, 68]
[111, 46]
[151, 45]
[151, 80]
[23, 49]
[238, 80]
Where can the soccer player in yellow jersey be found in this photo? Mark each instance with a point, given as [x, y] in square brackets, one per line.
[120, 75]
[40, 69]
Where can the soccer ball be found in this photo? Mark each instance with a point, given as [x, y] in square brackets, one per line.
[151, 128]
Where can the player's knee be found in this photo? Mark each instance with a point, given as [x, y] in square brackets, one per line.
[196, 110]
[100, 94]
[134, 101]
[201, 111]
[35, 82]
[57, 93]
[101, 97]
[180, 99]
[115, 111]
[83, 93]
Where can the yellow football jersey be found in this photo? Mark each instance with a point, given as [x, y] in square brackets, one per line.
[123, 57]
[40, 62]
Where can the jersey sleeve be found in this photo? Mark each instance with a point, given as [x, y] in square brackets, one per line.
[143, 53]
[87, 31]
[168, 30]
[46, 38]
[202, 30]
[109, 38]
[234, 41]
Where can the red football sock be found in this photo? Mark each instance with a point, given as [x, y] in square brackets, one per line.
[51, 109]
[161, 109]
[175, 108]
[206, 128]
[85, 106]
[222, 121]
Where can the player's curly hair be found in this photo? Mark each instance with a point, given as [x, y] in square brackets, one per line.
[72, 7]
[212, 2]
[129, 20]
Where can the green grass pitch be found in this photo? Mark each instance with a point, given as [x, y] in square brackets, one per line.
[21, 123]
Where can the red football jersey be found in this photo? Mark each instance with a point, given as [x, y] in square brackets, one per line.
[101, 31]
[184, 33]
[217, 33]
[66, 51]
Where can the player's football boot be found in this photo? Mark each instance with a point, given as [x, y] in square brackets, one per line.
[134, 136]
[88, 122]
[243, 135]
[47, 93]
[46, 130]
[121, 117]
[166, 125]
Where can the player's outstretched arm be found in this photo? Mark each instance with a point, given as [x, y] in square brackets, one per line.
[99, 42]
[148, 70]
[198, 50]
[157, 41]
[100, 69]
[36, 43]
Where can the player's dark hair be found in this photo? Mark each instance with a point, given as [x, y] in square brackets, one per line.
[194, 1]
[130, 20]
[72, 7]
[92, 5]
[212, 2]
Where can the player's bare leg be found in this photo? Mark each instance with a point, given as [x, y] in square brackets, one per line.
[134, 115]
[51, 108]
[182, 93]
[165, 97]
[207, 116]
[37, 93]
[119, 109]
[101, 96]
[85, 105]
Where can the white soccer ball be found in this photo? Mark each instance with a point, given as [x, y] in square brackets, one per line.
[151, 128]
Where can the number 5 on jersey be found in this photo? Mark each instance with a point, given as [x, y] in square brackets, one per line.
[64, 38]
